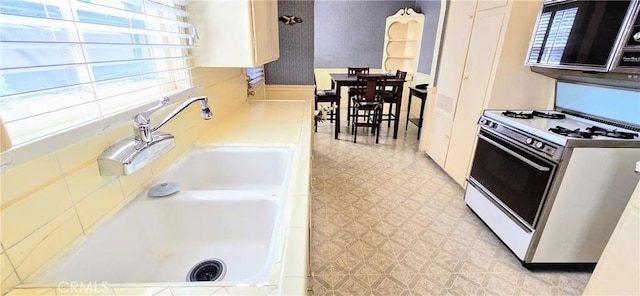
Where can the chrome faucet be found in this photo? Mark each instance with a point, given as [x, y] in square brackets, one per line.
[142, 122]
[147, 144]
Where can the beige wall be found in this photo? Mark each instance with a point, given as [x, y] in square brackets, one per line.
[51, 202]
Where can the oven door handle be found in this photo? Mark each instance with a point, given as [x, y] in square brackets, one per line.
[516, 155]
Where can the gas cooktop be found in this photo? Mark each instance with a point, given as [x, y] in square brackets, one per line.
[560, 128]
[531, 114]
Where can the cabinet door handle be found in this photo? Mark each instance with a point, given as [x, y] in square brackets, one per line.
[470, 16]
[465, 78]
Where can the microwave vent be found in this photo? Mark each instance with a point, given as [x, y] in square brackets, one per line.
[613, 79]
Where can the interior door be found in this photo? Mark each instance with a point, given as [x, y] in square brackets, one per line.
[485, 36]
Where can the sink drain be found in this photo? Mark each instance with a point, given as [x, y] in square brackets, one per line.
[209, 270]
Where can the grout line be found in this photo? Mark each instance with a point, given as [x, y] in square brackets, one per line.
[45, 184]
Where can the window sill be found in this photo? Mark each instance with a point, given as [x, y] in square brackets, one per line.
[28, 151]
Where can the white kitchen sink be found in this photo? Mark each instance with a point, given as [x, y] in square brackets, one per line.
[231, 168]
[230, 208]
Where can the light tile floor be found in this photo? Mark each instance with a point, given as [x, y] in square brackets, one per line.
[388, 221]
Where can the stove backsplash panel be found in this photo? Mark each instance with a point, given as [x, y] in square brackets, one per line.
[610, 104]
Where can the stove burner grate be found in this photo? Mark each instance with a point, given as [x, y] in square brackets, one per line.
[529, 115]
[591, 132]
[563, 131]
[520, 115]
[598, 131]
[549, 115]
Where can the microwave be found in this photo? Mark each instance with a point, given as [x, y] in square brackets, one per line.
[598, 36]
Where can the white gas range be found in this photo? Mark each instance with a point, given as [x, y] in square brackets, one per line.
[551, 185]
[564, 129]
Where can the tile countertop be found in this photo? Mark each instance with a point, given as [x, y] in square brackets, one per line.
[270, 123]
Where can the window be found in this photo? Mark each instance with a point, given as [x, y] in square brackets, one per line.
[255, 75]
[65, 63]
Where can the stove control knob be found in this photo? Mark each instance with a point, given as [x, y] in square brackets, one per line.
[494, 125]
[484, 121]
[539, 145]
[529, 141]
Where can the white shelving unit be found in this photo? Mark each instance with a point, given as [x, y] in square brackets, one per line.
[402, 40]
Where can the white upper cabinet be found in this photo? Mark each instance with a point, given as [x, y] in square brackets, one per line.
[235, 33]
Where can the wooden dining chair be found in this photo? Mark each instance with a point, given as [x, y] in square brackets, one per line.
[352, 71]
[357, 70]
[367, 104]
[324, 96]
[391, 97]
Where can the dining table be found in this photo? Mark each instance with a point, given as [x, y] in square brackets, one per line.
[338, 80]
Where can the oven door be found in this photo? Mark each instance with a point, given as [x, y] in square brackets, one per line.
[517, 180]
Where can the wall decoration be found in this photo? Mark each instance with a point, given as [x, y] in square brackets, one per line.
[290, 19]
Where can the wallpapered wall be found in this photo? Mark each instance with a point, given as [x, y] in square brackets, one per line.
[295, 65]
[351, 33]
[342, 33]
[431, 11]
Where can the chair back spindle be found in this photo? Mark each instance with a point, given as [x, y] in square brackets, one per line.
[371, 88]
[400, 75]
[357, 70]
[353, 71]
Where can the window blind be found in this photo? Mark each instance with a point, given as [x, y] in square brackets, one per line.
[558, 35]
[255, 75]
[65, 63]
[538, 37]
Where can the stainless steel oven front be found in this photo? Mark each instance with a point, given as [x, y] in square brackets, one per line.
[512, 177]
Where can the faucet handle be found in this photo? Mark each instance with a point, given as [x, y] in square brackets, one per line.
[144, 118]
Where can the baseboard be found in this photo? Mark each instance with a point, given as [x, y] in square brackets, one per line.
[580, 267]
[289, 92]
